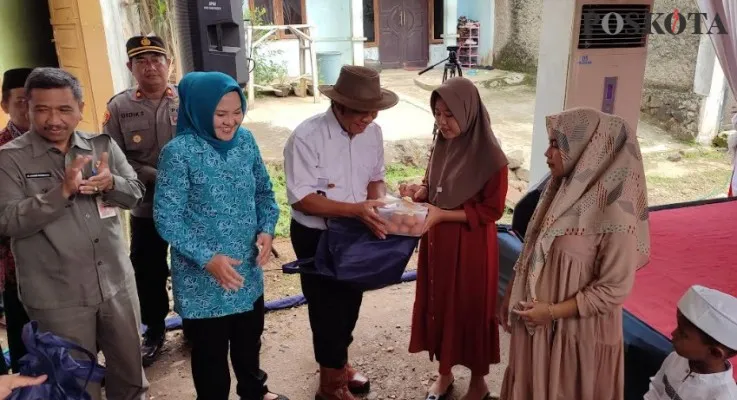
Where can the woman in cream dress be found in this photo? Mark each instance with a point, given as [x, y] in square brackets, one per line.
[586, 239]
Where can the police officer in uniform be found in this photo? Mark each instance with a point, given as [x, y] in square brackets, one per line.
[142, 120]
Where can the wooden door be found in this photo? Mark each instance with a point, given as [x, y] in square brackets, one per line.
[403, 33]
[79, 38]
[415, 21]
[391, 33]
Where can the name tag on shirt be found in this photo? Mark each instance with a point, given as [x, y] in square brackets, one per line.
[38, 175]
[105, 210]
[323, 184]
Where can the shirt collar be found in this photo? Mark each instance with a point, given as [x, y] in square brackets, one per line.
[41, 146]
[715, 378]
[718, 377]
[137, 94]
[334, 127]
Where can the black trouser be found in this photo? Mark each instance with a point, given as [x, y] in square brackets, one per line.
[148, 256]
[333, 306]
[15, 319]
[210, 338]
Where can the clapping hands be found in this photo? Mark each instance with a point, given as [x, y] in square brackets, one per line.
[102, 181]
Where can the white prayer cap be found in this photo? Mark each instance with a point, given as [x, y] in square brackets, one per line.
[713, 312]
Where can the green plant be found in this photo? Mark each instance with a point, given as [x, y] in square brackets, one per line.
[157, 17]
[160, 18]
[281, 76]
[265, 70]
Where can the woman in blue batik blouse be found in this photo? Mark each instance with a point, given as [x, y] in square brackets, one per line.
[215, 206]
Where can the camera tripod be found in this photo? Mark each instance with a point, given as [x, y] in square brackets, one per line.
[451, 69]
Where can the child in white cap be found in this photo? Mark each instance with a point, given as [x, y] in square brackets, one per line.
[704, 341]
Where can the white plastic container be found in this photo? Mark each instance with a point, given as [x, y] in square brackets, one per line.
[403, 217]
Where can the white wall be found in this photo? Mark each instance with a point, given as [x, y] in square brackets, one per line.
[115, 24]
[286, 52]
[483, 12]
[371, 53]
[552, 74]
[331, 29]
[438, 52]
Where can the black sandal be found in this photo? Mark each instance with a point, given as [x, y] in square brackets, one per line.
[443, 396]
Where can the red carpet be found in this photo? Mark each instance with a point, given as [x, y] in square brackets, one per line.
[689, 245]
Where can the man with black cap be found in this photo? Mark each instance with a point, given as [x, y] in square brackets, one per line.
[14, 103]
[142, 120]
[334, 165]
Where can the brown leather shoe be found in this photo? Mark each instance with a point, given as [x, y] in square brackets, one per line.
[333, 385]
[357, 382]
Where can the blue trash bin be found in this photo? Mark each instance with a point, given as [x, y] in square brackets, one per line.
[328, 67]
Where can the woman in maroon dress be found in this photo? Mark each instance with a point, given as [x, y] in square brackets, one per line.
[466, 185]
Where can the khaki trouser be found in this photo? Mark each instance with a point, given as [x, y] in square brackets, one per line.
[113, 326]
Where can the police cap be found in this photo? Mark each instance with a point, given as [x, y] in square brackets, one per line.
[138, 45]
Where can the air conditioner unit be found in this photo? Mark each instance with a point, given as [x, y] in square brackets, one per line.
[608, 56]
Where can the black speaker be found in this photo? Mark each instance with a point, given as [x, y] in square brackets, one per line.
[212, 37]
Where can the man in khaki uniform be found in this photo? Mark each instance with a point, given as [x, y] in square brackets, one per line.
[142, 120]
[60, 191]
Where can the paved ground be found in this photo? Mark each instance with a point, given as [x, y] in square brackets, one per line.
[511, 108]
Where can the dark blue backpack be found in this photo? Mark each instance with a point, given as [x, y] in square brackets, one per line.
[49, 355]
[349, 252]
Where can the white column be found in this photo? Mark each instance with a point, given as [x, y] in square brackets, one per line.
[113, 19]
[490, 28]
[450, 30]
[357, 37]
[552, 74]
[250, 88]
[705, 60]
[710, 118]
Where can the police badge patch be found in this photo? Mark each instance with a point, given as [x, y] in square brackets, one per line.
[174, 111]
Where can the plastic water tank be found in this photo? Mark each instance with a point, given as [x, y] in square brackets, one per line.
[328, 67]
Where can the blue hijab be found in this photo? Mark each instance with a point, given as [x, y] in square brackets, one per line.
[199, 95]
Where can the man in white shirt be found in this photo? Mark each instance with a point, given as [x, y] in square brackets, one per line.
[704, 341]
[334, 165]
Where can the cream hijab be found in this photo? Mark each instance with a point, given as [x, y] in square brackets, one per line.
[603, 192]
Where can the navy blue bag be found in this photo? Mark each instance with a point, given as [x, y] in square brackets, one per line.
[49, 355]
[349, 252]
